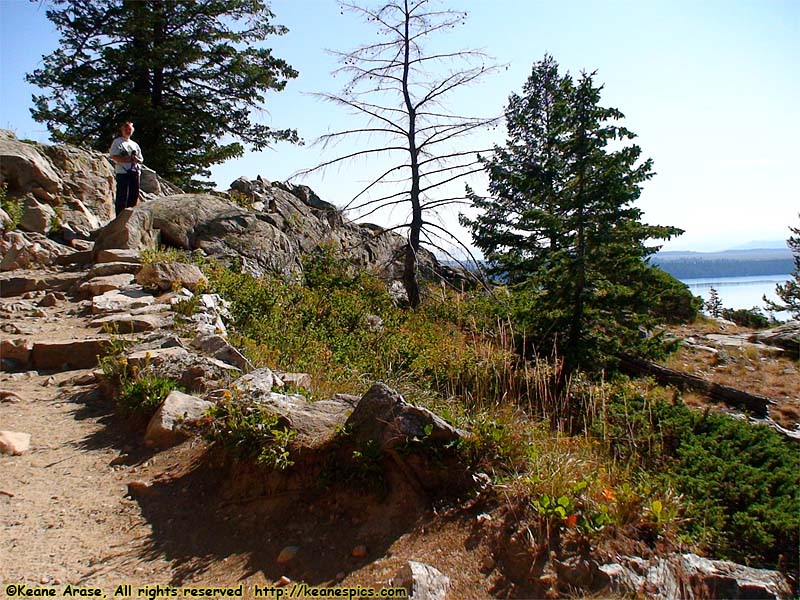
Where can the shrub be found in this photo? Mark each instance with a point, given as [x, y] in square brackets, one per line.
[738, 480]
[674, 303]
[12, 207]
[251, 432]
[746, 317]
[141, 396]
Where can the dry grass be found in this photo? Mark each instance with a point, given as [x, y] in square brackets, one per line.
[746, 368]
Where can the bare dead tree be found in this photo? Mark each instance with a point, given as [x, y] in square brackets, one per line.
[398, 91]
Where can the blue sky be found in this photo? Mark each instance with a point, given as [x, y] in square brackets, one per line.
[711, 88]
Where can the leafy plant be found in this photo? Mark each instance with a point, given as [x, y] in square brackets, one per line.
[241, 199]
[144, 394]
[252, 432]
[188, 306]
[12, 207]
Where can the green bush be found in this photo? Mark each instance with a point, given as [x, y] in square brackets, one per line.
[252, 433]
[144, 394]
[746, 317]
[12, 207]
[674, 303]
[739, 481]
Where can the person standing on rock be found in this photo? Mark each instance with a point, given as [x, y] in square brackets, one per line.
[127, 157]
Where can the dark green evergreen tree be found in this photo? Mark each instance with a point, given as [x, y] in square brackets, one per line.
[789, 292]
[186, 73]
[560, 223]
[714, 303]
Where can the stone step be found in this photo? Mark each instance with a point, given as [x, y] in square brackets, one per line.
[69, 355]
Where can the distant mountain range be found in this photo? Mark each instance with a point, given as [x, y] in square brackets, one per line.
[761, 245]
[740, 262]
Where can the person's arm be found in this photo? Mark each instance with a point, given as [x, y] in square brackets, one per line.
[114, 153]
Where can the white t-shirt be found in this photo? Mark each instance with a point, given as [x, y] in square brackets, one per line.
[122, 147]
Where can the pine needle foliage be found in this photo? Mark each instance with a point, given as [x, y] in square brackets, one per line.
[187, 73]
[560, 224]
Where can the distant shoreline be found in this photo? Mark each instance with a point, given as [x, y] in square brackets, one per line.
[733, 263]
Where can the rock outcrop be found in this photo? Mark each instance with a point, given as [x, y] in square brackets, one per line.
[690, 577]
[67, 193]
[786, 337]
[80, 183]
[274, 239]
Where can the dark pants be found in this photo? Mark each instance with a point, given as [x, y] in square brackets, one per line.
[127, 191]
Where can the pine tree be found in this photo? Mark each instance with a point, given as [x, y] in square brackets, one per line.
[714, 303]
[789, 292]
[560, 225]
[185, 73]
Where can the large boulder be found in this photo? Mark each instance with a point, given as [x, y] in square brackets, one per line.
[131, 230]
[167, 276]
[173, 420]
[315, 422]
[383, 416]
[223, 229]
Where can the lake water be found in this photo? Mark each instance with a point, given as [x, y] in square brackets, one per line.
[740, 292]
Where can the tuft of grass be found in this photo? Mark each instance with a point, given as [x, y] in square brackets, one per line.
[166, 254]
[139, 391]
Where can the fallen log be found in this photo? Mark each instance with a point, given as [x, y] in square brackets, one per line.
[753, 403]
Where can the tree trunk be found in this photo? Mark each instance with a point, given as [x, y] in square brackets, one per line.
[752, 403]
[410, 280]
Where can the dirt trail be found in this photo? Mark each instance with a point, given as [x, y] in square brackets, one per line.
[66, 516]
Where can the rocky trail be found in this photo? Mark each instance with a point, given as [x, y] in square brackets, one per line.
[66, 513]
[91, 503]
